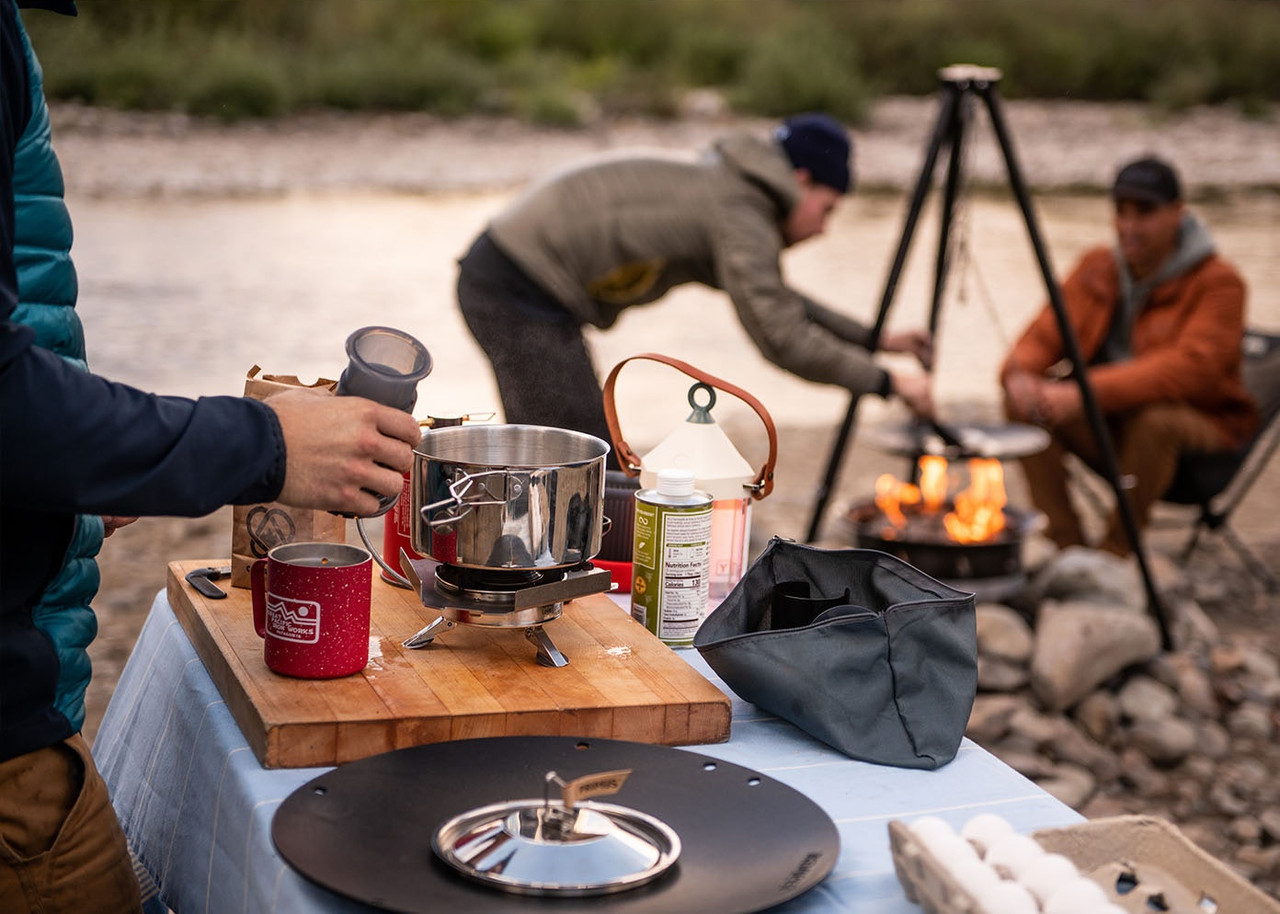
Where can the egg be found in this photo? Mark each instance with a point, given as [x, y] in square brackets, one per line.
[972, 875]
[1082, 894]
[927, 827]
[1045, 875]
[1008, 898]
[1011, 855]
[984, 830]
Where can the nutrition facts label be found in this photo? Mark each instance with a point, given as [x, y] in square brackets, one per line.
[686, 555]
[672, 560]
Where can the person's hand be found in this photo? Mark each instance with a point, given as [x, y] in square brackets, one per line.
[1060, 402]
[112, 523]
[1022, 396]
[336, 448]
[918, 343]
[916, 392]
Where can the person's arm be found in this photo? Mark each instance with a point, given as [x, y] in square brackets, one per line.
[74, 442]
[774, 316]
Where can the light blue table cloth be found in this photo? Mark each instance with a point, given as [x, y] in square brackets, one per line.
[197, 806]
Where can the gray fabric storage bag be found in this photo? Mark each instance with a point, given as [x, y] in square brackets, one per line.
[886, 673]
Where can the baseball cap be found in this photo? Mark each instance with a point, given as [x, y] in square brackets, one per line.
[820, 145]
[1147, 180]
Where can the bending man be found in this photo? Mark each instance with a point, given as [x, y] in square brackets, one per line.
[591, 242]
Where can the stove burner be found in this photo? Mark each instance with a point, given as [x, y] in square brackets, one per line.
[491, 585]
[499, 598]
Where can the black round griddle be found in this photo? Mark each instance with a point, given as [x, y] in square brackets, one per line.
[1004, 441]
[364, 829]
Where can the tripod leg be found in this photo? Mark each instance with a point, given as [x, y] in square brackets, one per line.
[1072, 348]
[955, 176]
[941, 134]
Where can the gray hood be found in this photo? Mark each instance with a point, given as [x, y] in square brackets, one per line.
[762, 162]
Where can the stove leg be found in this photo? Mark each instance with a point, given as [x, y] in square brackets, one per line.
[427, 634]
[548, 653]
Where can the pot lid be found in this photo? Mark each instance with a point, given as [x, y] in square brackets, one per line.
[540, 848]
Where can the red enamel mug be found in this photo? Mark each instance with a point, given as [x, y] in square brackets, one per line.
[311, 607]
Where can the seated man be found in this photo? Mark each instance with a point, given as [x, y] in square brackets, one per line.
[607, 235]
[1159, 320]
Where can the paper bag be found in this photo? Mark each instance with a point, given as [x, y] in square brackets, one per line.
[256, 529]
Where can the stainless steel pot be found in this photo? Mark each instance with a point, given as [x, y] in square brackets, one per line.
[508, 496]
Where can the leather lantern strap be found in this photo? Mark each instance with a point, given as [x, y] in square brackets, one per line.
[630, 461]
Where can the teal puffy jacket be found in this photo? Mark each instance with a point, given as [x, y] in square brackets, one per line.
[47, 297]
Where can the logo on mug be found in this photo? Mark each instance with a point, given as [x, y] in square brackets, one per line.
[293, 620]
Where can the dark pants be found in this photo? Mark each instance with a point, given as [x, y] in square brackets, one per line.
[1148, 443]
[536, 348]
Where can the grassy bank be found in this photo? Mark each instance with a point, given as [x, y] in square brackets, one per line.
[566, 61]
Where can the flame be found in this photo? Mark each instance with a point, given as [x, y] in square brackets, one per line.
[979, 509]
[977, 512]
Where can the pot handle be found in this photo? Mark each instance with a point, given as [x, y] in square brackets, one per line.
[630, 461]
[459, 490]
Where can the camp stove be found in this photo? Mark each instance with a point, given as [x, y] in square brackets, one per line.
[499, 598]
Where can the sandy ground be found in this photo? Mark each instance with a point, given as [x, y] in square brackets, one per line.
[112, 160]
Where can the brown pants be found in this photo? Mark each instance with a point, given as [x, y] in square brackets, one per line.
[1147, 442]
[61, 846]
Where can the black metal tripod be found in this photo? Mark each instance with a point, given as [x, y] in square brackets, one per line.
[959, 86]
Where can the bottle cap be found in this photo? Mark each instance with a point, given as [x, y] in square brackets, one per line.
[675, 482]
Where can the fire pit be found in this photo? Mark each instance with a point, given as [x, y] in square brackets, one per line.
[971, 539]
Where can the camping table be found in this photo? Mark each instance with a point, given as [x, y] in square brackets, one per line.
[197, 805]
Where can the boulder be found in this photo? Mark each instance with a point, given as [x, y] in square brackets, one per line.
[1003, 634]
[1099, 577]
[1081, 645]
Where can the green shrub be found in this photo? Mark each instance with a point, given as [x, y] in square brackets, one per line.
[802, 68]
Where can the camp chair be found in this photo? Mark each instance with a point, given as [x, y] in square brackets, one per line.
[1218, 483]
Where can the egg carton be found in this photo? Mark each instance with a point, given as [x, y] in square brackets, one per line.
[1144, 864]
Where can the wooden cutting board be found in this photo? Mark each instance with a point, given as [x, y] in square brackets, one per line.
[621, 681]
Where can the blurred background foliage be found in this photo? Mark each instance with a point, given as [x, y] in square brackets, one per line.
[568, 61]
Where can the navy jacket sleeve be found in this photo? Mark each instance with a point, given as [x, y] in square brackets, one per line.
[74, 442]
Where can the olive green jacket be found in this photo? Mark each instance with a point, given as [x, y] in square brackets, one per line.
[622, 231]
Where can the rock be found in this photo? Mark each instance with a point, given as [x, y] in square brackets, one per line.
[1213, 741]
[1225, 799]
[1136, 769]
[1071, 784]
[1070, 744]
[1196, 689]
[1080, 645]
[1034, 726]
[1003, 634]
[1245, 830]
[989, 718]
[1225, 659]
[1166, 741]
[1091, 574]
[1190, 625]
[996, 675]
[1250, 721]
[1269, 819]
[1028, 764]
[1098, 714]
[1170, 579]
[1144, 699]
[1259, 663]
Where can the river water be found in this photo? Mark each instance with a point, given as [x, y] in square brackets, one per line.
[183, 296]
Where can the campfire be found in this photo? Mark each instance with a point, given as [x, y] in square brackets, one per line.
[974, 515]
[953, 523]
